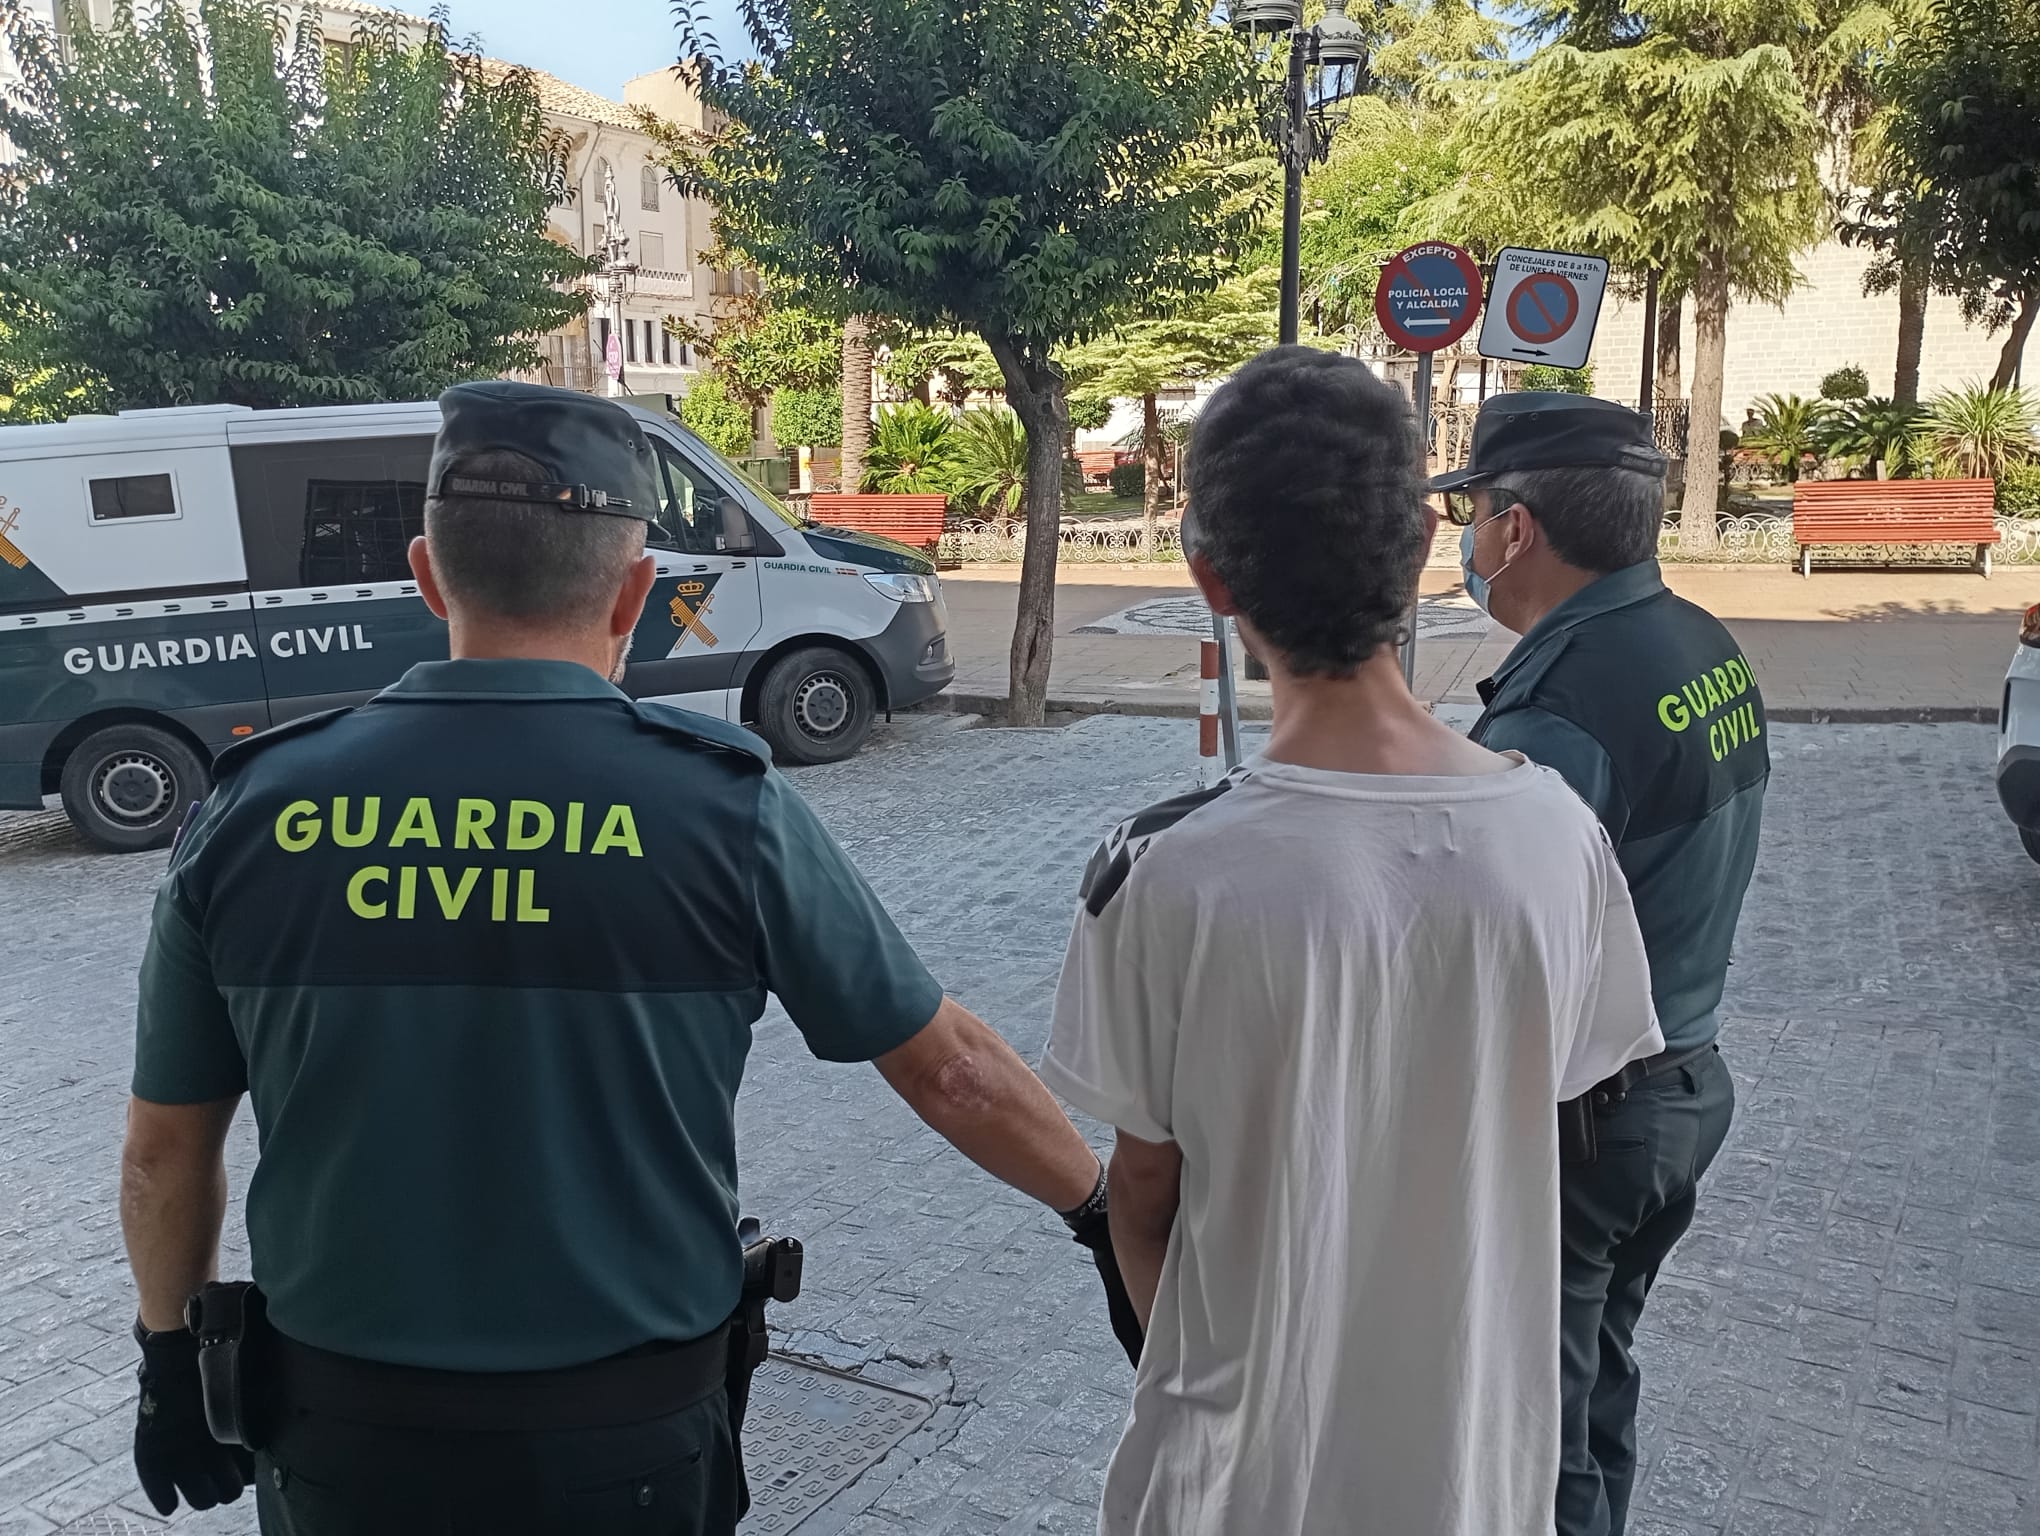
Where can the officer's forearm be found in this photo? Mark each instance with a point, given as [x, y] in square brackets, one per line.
[1146, 1186]
[173, 1197]
[967, 1083]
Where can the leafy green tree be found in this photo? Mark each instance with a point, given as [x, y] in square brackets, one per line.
[719, 418]
[31, 392]
[1846, 383]
[1967, 134]
[215, 208]
[807, 418]
[758, 345]
[990, 473]
[1028, 170]
[1209, 335]
[913, 452]
[1567, 381]
[1666, 136]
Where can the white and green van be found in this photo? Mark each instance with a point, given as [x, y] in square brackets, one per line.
[172, 580]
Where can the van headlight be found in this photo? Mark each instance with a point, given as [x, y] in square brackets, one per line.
[902, 587]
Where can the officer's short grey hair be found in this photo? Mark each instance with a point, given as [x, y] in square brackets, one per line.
[1598, 520]
[526, 561]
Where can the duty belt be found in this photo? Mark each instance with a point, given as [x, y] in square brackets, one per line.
[630, 1388]
[1613, 1090]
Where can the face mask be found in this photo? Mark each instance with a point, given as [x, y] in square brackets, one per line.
[1477, 585]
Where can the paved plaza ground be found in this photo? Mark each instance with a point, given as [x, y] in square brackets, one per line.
[1847, 1345]
[1850, 645]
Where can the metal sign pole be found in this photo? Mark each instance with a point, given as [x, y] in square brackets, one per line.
[1228, 701]
[1423, 403]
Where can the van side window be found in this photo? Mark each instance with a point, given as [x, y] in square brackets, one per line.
[690, 507]
[132, 496]
[330, 513]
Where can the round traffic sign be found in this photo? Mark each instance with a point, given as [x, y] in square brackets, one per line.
[1428, 296]
[612, 357]
[1543, 307]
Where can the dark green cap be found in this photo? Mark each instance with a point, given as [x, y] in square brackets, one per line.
[1542, 429]
[591, 454]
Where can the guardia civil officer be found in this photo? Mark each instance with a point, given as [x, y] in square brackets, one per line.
[486, 953]
[1648, 707]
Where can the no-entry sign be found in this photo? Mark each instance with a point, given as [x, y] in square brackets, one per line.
[1543, 306]
[1428, 296]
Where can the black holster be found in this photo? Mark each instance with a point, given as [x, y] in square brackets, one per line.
[231, 1321]
[772, 1270]
[1576, 1141]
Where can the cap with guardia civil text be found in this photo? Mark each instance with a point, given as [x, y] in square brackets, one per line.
[1543, 429]
[592, 456]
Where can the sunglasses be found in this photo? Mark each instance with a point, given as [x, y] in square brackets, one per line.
[1460, 511]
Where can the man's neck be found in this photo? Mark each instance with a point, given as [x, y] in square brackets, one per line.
[1367, 723]
[471, 641]
[1545, 584]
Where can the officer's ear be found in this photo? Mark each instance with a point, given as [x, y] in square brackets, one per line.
[420, 555]
[630, 597]
[1522, 531]
[1216, 593]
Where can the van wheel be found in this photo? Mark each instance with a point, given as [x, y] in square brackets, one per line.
[128, 787]
[816, 706]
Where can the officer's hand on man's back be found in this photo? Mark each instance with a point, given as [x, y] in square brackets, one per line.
[175, 1452]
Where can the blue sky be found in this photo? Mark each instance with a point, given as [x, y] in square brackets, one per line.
[595, 44]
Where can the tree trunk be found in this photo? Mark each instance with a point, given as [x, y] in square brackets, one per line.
[1668, 385]
[1037, 391]
[856, 401]
[1912, 331]
[1703, 431]
[1151, 473]
[2015, 343]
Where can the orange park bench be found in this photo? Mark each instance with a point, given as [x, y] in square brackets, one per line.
[1098, 464]
[915, 520]
[1893, 512]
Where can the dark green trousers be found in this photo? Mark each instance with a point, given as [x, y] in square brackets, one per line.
[676, 1476]
[1620, 1216]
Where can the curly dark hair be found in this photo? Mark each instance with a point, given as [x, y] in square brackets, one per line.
[1307, 500]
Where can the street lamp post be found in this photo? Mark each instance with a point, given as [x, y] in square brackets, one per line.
[617, 271]
[1327, 65]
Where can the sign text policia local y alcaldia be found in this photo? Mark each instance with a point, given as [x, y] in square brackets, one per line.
[449, 891]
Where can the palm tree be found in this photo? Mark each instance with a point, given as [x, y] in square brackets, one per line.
[912, 452]
[1789, 431]
[1980, 431]
[1885, 433]
[856, 399]
[990, 474]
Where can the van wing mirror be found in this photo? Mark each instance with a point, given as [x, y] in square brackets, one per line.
[735, 532]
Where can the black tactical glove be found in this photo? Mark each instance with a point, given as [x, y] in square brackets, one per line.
[174, 1451]
[1089, 1225]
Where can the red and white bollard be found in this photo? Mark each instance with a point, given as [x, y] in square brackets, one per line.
[1209, 768]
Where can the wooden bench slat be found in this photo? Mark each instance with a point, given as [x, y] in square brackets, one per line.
[1894, 512]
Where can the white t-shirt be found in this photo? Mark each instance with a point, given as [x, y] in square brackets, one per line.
[1353, 1001]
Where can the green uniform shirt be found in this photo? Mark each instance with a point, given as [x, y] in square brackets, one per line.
[486, 953]
[1646, 705]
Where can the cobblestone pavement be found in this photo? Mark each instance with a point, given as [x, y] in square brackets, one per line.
[1848, 1343]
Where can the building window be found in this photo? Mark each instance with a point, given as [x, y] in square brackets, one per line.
[651, 351]
[602, 342]
[322, 514]
[648, 188]
[666, 347]
[651, 249]
[629, 341]
[132, 496]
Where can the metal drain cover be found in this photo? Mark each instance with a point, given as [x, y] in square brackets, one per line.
[811, 1432]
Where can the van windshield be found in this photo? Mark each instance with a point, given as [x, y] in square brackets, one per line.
[780, 509]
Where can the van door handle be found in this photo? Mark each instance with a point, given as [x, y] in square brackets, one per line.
[701, 568]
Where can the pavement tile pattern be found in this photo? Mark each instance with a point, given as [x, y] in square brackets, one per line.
[1848, 1344]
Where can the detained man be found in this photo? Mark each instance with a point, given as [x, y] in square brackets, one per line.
[1329, 1006]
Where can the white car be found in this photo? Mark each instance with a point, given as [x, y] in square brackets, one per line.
[2018, 765]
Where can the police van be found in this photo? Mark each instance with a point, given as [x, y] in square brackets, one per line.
[171, 580]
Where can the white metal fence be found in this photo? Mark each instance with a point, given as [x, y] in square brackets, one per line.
[1740, 541]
